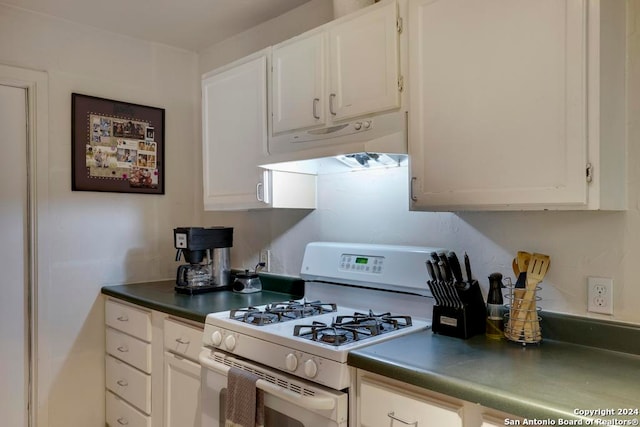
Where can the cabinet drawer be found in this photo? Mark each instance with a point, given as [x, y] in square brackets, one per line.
[182, 339]
[129, 383]
[129, 349]
[120, 414]
[128, 319]
[382, 404]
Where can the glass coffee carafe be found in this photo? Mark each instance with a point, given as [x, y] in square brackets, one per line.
[193, 275]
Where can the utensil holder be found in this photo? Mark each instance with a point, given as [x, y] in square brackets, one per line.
[522, 316]
[459, 311]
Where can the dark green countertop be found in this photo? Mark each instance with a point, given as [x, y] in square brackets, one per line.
[549, 381]
[161, 296]
[581, 364]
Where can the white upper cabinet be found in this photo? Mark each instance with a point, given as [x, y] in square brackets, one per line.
[298, 84]
[344, 69]
[364, 64]
[517, 104]
[234, 120]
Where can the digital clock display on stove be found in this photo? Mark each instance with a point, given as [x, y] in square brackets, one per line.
[361, 264]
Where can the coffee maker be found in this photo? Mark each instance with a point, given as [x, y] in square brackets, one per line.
[198, 244]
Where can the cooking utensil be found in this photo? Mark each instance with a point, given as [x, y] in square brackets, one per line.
[467, 267]
[454, 265]
[537, 269]
[432, 274]
[434, 283]
[447, 267]
[523, 260]
[247, 283]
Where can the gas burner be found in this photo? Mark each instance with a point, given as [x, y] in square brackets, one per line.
[335, 334]
[297, 309]
[281, 312]
[254, 316]
[375, 323]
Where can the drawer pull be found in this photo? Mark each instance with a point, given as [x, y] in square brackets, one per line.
[123, 421]
[122, 383]
[123, 349]
[182, 341]
[123, 318]
[400, 420]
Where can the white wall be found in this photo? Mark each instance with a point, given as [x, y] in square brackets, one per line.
[100, 238]
[368, 207]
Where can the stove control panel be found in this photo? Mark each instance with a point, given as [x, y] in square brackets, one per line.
[362, 263]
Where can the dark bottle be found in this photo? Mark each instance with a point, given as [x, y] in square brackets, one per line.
[495, 328]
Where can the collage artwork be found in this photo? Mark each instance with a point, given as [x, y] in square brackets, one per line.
[122, 149]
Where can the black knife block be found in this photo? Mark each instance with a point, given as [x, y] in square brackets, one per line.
[461, 322]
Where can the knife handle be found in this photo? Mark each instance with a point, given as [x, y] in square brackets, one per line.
[432, 274]
[436, 271]
[454, 264]
[445, 261]
[443, 271]
[467, 267]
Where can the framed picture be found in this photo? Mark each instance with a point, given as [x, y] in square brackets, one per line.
[116, 146]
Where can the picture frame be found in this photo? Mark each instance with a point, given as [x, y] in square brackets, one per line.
[116, 146]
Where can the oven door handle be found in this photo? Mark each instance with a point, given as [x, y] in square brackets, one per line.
[307, 402]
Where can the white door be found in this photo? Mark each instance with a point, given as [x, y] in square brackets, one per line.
[364, 62]
[498, 103]
[298, 80]
[181, 392]
[13, 252]
[234, 103]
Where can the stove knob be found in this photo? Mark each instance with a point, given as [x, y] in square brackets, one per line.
[230, 342]
[310, 368]
[291, 362]
[216, 338]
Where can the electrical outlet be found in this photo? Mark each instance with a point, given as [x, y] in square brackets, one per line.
[600, 295]
[265, 257]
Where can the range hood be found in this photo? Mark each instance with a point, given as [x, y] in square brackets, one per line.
[378, 141]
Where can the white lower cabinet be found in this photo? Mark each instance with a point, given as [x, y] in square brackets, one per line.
[152, 377]
[182, 345]
[120, 413]
[181, 391]
[384, 402]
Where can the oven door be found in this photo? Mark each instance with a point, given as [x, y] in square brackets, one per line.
[288, 402]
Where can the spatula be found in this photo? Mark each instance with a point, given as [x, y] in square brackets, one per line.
[537, 269]
[520, 265]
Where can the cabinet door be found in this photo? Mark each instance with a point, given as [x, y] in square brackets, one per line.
[234, 103]
[385, 405]
[182, 392]
[364, 62]
[298, 84]
[498, 104]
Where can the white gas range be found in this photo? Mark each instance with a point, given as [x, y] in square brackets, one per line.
[355, 295]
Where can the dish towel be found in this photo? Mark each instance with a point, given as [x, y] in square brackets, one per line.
[245, 403]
